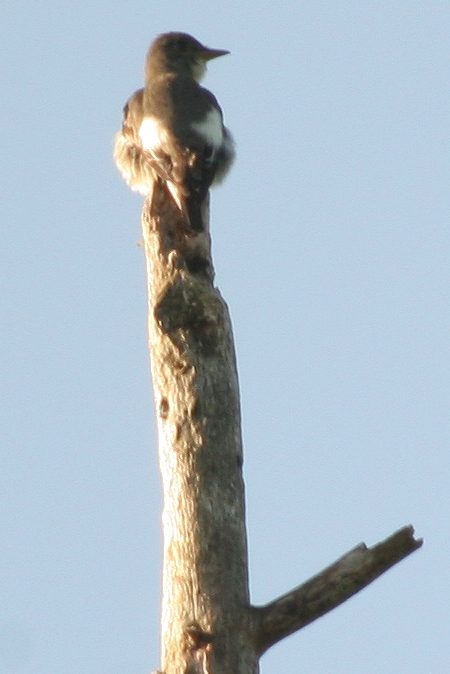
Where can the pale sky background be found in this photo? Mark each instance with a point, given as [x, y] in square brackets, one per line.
[331, 246]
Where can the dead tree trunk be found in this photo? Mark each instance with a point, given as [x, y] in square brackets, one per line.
[208, 624]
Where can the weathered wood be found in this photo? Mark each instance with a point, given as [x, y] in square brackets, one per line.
[337, 583]
[205, 579]
[208, 625]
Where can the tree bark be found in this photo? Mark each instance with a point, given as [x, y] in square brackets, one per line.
[205, 580]
[331, 587]
[208, 624]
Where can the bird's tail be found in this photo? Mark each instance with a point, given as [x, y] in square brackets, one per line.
[196, 213]
[192, 206]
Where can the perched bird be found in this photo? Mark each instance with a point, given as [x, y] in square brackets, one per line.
[173, 129]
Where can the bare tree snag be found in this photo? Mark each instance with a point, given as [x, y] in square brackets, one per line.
[205, 584]
[331, 587]
[208, 624]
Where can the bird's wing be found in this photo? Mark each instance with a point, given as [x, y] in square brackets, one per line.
[131, 159]
[174, 129]
[199, 134]
[132, 116]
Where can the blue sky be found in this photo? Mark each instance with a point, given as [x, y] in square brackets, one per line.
[331, 246]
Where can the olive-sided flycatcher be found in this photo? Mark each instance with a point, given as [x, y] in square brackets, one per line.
[173, 129]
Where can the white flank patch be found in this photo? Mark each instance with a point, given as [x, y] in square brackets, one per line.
[210, 128]
[150, 134]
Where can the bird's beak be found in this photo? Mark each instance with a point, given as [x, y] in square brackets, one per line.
[208, 54]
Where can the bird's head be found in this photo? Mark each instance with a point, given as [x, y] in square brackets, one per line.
[180, 53]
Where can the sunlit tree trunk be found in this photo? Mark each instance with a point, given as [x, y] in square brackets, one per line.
[208, 624]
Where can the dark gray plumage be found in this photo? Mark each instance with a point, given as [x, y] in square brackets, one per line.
[173, 129]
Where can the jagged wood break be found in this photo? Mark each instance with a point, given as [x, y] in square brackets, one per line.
[208, 624]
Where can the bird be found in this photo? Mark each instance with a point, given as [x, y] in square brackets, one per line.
[173, 129]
